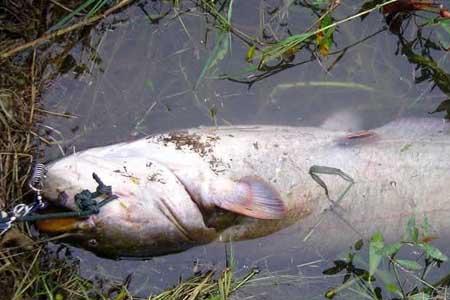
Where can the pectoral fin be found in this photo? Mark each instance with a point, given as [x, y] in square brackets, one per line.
[253, 197]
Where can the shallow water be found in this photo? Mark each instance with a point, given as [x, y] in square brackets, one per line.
[143, 81]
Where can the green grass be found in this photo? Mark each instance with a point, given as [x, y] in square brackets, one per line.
[30, 271]
[85, 10]
[205, 286]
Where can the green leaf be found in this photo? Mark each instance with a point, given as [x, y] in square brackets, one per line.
[426, 225]
[412, 231]
[250, 54]
[330, 293]
[433, 252]
[375, 245]
[445, 24]
[289, 44]
[320, 3]
[443, 38]
[230, 11]
[409, 264]
[420, 296]
[219, 52]
[96, 8]
[392, 287]
[69, 17]
[391, 249]
[324, 39]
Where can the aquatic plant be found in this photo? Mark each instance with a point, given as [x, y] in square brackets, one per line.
[398, 270]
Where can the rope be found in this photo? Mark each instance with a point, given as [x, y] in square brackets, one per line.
[71, 214]
[85, 201]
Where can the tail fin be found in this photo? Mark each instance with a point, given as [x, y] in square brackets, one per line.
[252, 196]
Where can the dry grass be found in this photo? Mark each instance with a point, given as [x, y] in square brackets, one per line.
[205, 286]
[27, 269]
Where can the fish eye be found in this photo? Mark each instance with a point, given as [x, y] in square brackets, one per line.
[92, 243]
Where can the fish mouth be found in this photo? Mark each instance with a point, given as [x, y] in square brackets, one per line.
[61, 202]
[63, 224]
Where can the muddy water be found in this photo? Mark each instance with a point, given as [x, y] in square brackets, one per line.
[141, 81]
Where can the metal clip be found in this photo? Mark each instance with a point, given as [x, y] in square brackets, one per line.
[21, 210]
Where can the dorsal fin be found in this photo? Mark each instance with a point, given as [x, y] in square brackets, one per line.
[415, 128]
[357, 138]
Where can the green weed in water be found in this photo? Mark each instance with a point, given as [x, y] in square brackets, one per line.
[388, 274]
[223, 40]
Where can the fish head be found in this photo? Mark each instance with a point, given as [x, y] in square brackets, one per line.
[69, 176]
[153, 213]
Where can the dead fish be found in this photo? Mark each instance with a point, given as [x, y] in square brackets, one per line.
[185, 188]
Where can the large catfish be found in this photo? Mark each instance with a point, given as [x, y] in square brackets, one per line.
[191, 187]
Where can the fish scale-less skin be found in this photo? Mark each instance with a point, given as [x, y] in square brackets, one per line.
[138, 222]
[399, 169]
[404, 171]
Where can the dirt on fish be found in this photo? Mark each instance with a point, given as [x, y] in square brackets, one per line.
[191, 141]
[201, 145]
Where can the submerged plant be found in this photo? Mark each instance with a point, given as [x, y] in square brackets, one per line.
[389, 272]
[223, 38]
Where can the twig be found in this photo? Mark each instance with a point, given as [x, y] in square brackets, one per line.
[353, 17]
[238, 33]
[33, 89]
[50, 36]
[16, 154]
[54, 113]
[327, 12]
[62, 6]
[296, 40]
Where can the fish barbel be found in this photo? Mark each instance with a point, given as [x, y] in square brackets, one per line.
[185, 188]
